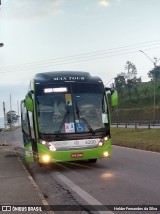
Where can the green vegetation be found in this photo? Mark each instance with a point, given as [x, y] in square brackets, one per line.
[135, 94]
[141, 95]
[145, 139]
[138, 105]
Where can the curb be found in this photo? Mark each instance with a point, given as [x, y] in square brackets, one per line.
[39, 193]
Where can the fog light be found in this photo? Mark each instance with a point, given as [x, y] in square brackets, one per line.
[106, 154]
[46, 158]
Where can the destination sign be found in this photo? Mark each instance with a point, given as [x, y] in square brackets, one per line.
[55, 90]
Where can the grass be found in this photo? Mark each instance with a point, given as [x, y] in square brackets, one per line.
[146, 139]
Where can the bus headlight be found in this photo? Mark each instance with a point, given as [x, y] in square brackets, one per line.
[102, 141]
[106, 138]
[44, 142]
[46, 158]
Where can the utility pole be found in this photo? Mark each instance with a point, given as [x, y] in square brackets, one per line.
[4, 112]
[154, 81]
[11, 110]
[18, 111]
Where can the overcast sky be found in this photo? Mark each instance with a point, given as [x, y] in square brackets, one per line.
[98, 36]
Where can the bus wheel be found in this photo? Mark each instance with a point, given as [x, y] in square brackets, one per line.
[92, 160]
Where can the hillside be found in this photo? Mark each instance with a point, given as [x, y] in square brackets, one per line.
[137, 104]
[145, 114]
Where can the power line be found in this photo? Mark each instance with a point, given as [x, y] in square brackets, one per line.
[80, 57]
[69, 62]
[89, 53]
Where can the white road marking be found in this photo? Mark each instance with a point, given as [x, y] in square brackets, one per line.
[83, 194]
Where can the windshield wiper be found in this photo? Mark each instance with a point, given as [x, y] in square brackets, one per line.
[64, 119]
[80, 117]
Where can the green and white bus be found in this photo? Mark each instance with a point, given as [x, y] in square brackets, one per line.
[65, 117]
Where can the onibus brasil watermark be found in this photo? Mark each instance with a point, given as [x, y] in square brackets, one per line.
[40, 208]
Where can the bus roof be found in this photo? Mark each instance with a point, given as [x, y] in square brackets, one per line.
[65, 76]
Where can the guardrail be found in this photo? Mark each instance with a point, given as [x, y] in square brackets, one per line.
[136, 125]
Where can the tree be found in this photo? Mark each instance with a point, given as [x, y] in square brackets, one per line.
[133, 84]
[132, 70]
[154, 73]
[120, 84]
[146, 92]
[11, 118]
[131, 79]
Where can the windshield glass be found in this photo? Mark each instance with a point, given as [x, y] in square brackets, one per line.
[51, 110]
[60, 111]
[89, 104]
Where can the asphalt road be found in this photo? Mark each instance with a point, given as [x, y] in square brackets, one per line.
[13, 138]
[129, 177]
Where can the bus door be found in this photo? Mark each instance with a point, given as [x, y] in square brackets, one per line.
[26, 134]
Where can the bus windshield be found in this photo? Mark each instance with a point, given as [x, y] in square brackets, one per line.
[71, 109]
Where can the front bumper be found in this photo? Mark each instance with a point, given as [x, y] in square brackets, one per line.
[70, 155]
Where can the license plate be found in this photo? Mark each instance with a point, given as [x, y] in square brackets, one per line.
[77, 155]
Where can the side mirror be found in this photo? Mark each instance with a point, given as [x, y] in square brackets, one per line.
[114, 96]
[29, 103]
